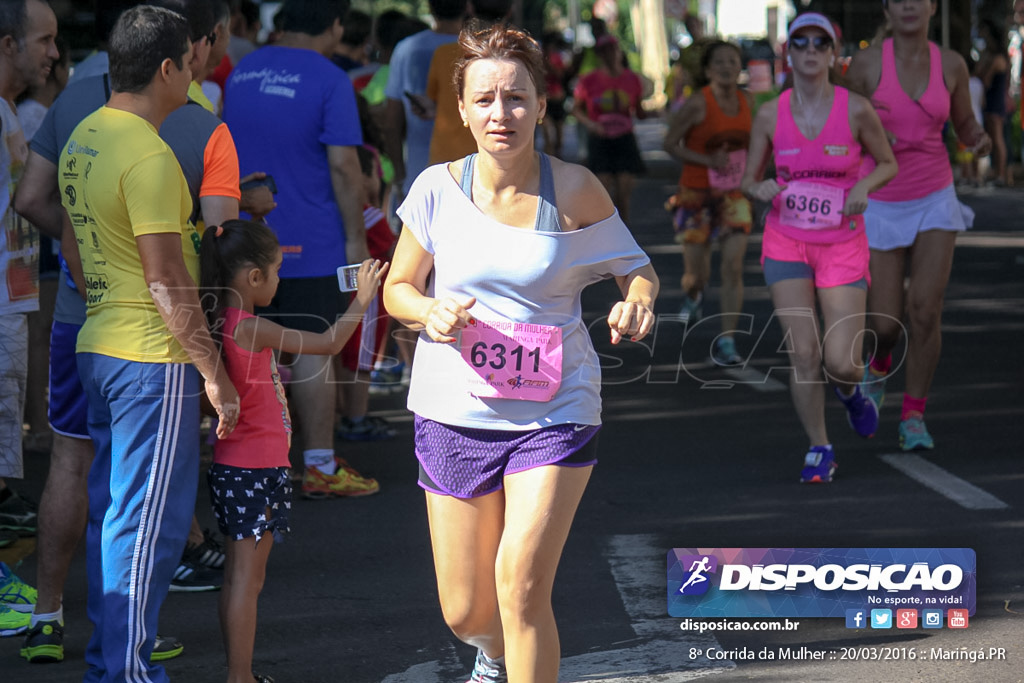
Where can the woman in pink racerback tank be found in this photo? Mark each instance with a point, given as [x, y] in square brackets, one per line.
[911, 224]
[814, 248]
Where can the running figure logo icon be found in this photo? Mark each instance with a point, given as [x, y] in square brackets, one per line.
[696, 582]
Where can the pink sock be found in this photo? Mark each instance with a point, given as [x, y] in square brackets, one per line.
[912, 405]
[882, 366]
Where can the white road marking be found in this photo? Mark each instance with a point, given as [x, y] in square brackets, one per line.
[660, 652]
[448, 668]
[963, 493]
[758, 381]
[638, 565]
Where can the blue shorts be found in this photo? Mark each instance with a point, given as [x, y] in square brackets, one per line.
[241, 498]
[466, 463]
[69, 407]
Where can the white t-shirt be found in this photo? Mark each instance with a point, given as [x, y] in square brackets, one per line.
[977, 91]
[518, 275]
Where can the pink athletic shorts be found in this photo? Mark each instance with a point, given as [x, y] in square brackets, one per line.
[832, 264]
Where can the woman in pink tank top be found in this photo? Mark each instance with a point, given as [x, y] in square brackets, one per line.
[911, 224]
[814, 247]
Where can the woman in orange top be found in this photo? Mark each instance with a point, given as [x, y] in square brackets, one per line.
[710, 135]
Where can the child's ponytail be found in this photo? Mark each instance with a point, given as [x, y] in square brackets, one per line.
[224, 250]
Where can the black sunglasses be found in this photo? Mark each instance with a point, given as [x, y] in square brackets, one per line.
[802, 42]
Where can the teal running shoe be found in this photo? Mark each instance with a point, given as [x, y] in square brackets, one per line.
[914, 435]
[692, 310]
[873, 386]
[724, 353]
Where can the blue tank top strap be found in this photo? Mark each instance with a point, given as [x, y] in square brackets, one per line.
[467, 175]
[547, 209]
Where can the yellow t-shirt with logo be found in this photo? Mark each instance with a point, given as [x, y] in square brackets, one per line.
[119, 180]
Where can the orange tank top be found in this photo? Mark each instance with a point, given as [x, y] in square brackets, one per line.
[716, 131]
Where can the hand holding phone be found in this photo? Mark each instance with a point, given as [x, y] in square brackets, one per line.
[253, 183]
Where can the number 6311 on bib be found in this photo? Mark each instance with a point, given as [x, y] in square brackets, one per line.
[519, 361]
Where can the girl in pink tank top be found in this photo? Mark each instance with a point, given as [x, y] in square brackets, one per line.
[916, 87]
[250, 483]
[814, 248]
[818, 175]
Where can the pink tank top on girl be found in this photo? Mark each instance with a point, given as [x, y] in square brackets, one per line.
[817, 174]
[917, 126]
[264, 430]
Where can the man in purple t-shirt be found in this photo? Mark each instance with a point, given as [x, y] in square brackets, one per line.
[293, 115]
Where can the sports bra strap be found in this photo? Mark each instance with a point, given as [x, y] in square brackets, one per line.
[467, 175]
[547, 209]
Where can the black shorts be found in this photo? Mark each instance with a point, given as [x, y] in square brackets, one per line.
[556, 110]
[614, 155]
[306, 303]
[241, 498]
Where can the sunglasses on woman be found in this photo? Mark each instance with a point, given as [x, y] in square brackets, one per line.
[802, 42]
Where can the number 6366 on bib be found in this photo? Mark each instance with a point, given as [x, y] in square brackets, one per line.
[520, 361]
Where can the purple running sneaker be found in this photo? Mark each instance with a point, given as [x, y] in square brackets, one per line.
[819, 465]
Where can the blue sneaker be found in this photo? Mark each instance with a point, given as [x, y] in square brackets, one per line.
[819, 465]
[873, 386]
[914, 435]
[861, 412]
[487, 670]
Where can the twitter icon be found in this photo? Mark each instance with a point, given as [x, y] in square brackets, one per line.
[881, 618]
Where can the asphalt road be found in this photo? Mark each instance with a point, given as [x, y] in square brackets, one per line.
[690, 456]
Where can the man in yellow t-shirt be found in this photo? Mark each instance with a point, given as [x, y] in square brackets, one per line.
[144, 343]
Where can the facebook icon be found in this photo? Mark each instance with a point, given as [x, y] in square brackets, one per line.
[855, 618]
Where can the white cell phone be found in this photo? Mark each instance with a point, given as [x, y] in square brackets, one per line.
[347, 277]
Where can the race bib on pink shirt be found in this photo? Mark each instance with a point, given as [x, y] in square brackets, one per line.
[729, 177]
[811, 206]
[512, 360]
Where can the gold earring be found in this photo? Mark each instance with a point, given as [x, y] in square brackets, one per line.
[540, 121]
[465, 123]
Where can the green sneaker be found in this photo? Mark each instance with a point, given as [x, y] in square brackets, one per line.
[914, 435]
[44, 643]
[15, 593]
[873, 386]
[165, 647]
[13, 623]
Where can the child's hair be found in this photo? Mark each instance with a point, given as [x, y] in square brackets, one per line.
[224, 251]
[367, 155]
